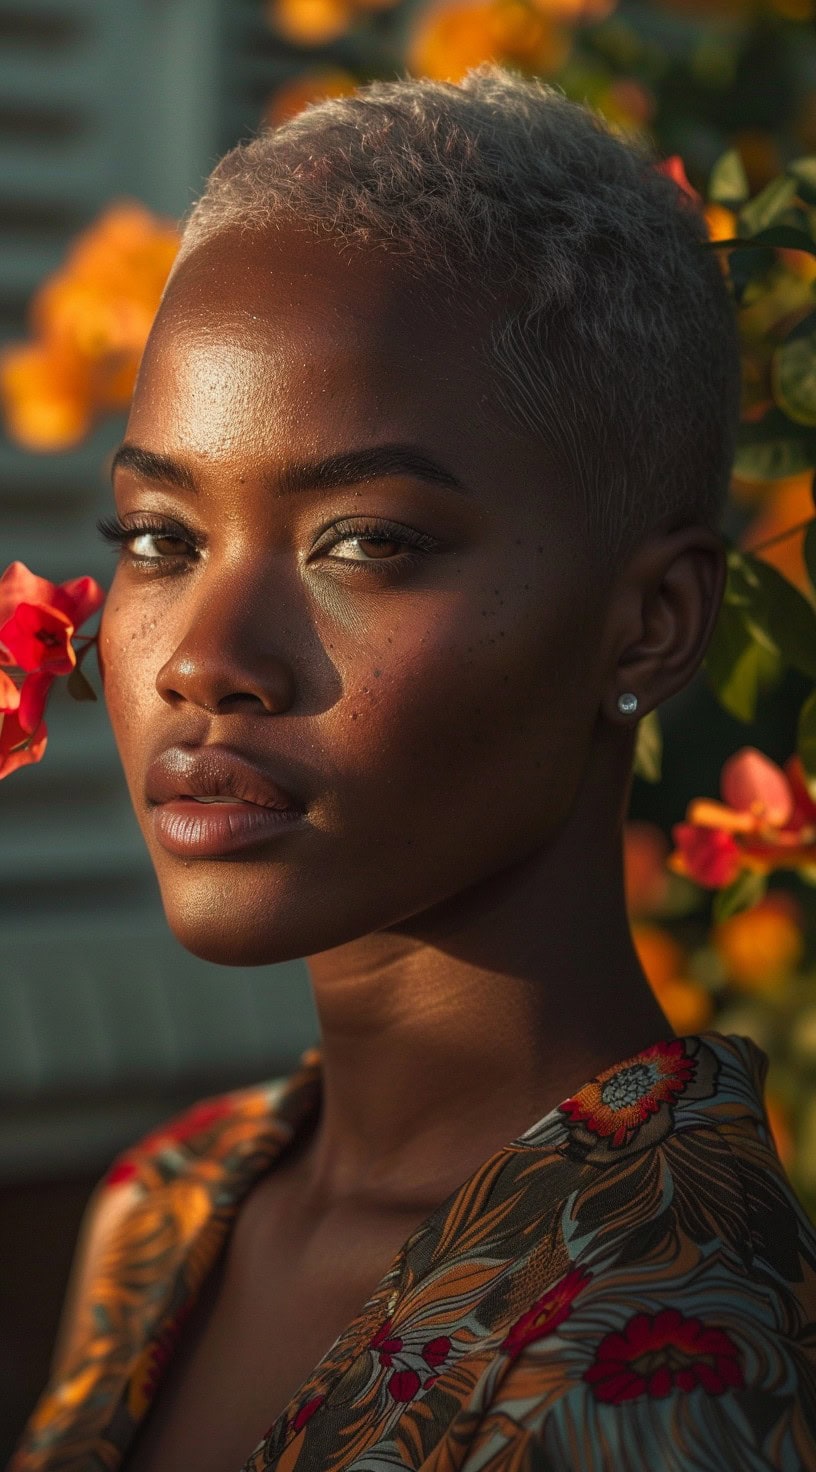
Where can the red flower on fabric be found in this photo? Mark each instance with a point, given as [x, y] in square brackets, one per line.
[436, 1351]
[656, 1353]
[548, 1311]
[622, 1098]
[384, 1344]
[306, 1412]
[403, 1385]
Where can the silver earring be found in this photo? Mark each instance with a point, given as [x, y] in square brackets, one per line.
[627, 703]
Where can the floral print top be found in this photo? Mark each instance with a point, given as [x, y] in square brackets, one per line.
[629, 1285]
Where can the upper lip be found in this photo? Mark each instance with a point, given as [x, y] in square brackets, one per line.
[213, 771]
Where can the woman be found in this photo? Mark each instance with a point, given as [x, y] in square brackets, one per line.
[418, 514]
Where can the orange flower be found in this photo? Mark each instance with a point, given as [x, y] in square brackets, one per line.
[312, 22]
[577, 12]
[722, 223]
[761, 946]
[786, 504]
[90, 320]
[688, 1007]
[646, 880]
[767, 820]
[306, 87]
[46, 393]
[452, 37]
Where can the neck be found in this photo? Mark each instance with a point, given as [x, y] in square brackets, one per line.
[448, 1036]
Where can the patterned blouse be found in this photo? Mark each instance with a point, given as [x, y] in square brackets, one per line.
[629, 1285]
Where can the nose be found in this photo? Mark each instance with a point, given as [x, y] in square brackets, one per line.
[226, 659]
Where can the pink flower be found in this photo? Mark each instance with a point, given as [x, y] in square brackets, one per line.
[766, 820]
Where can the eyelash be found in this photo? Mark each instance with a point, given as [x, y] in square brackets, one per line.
[114, 531]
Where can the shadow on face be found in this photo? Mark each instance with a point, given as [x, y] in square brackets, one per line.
[341, 567]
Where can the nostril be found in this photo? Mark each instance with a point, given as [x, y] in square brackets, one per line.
[239, 701]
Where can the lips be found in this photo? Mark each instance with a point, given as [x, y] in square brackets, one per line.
[216, 773]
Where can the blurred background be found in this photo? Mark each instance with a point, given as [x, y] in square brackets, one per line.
[107, 1025]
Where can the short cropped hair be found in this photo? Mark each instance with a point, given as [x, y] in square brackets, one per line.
[615, 342]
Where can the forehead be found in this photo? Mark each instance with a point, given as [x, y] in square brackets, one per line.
[281, 329]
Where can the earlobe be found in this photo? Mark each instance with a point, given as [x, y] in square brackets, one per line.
[673, 590]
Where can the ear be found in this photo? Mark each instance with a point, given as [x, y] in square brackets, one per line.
[662, 612]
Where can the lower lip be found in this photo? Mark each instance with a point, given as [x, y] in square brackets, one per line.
[205, 829]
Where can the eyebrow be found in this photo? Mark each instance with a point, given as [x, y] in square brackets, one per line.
[344, 469]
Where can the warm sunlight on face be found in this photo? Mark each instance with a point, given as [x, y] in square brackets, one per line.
[403, 641]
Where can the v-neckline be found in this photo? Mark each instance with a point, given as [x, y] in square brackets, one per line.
[294, 1105]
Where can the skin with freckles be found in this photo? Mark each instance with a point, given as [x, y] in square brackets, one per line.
[430, 660]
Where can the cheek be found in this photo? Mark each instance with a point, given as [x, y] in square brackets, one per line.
[478, 695]
[129, 660]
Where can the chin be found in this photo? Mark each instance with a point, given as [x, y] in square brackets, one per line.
[212, 926]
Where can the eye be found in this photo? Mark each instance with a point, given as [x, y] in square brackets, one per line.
[374, 541]
[153, 542]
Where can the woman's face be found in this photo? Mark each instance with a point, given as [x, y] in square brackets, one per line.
[406, 640]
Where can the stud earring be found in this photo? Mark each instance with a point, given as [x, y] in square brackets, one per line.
[627, 703]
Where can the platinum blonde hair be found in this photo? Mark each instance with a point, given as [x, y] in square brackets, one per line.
[615, 342]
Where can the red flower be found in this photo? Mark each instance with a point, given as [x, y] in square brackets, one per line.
[77, 599]
[37, 622]
[386, 1346]
[623, 1097]
[403, 1385]
[658, 1352]
[38, 637]
[766, 820]
[19, 747]
[674, 168]
[548, 1311]
[708, 855]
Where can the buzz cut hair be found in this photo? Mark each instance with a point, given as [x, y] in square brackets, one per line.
[613, 337]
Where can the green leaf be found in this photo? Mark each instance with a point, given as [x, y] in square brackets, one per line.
[648, 748]
[806, 737]
[732, 663]
[779, 613]
[803, 170]
[786, 236]
[768, 205]
[728, 184]
[79, 687]
[793, 375]
[746, 889]
[774, 458]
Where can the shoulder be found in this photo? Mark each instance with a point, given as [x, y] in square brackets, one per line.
[204, 1130]
[200, 1141]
